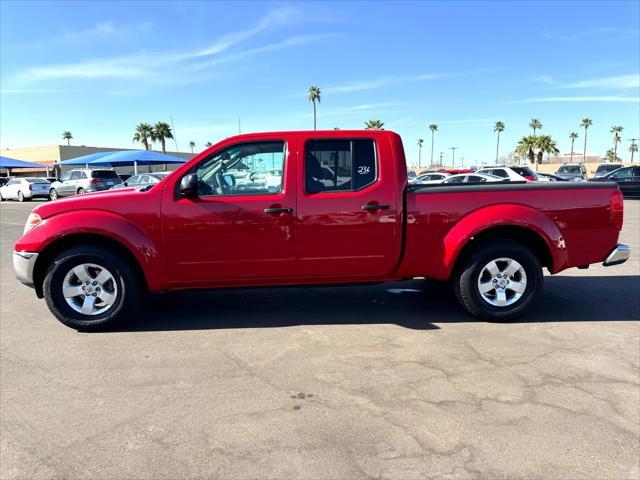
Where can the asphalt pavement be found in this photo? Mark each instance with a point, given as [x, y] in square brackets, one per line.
[389, 381]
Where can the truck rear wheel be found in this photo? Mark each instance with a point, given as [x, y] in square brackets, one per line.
[498, 281]
[91, 288]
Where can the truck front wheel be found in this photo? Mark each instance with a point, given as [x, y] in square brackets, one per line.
[91, 288]
[498, 281]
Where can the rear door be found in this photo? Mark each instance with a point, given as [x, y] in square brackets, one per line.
[349, 219]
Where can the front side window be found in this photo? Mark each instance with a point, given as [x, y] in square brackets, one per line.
[65, 177]
[622, 173]
[76, 175]
[340, 165]
[245, 169]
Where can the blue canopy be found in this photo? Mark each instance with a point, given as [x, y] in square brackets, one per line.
[92, 158]
[6, 162]
[124, 158]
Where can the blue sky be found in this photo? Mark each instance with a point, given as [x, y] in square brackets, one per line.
[99, 68]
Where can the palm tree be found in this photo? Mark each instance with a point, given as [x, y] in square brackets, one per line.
[434, 128]
[633, 148]
[525, 147]
[192, 145]
[67, 136]
[499, 127]
[547, 145]
[208, 144]
[160, 132]
[314, 96]
[611, 156]
[586, 123]
[535, 124]
[616, 130]
[374, 125]
[420, 142]
[143, 134]
[572, 136]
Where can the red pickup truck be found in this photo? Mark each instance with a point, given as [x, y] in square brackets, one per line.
[321, 207]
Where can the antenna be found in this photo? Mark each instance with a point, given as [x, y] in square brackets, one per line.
[173, 130]
[239, 129]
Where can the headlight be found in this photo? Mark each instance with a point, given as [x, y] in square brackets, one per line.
[32, 222]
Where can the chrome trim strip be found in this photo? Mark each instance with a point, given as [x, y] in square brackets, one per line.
[23, 265]
[619, 255]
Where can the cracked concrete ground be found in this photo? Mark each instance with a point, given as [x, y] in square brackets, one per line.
[383, 382]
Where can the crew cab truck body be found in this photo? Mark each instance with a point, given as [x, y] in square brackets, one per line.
[343, 213]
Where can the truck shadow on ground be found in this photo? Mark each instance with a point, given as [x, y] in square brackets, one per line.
[416, 304]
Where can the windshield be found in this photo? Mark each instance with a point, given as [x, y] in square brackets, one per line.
[570, 169]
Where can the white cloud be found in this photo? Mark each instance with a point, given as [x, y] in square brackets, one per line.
[362, 85]
[464, 121]
[619, 81]
[106, 29]
[149, 65]
[606, 98]
[355, 109]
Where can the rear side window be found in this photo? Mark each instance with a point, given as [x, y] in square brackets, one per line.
[498, 172]
[104, 174]
[340, 165]
[524, 171]
[76, 175]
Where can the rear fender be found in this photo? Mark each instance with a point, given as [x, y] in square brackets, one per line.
[509, 215]
[101, 223]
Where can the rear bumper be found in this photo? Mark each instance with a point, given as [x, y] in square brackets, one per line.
[619, 255]
[23, 266]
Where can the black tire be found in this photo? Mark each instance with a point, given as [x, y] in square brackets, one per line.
[53, 194]
[466, 276]
[81, 191]
[128, 283]
[20, 196]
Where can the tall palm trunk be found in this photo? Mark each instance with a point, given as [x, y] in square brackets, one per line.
[615, 149]
[497, 147]
[572, 142]
[584, 152]
[314, 115]
[162, 141]
[68, 142]
[433, 134]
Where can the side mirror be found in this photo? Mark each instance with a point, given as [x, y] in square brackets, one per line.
[125, 184]
[189, 185]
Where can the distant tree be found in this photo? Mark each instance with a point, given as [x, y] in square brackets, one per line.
[617, 130]
[67, 136]
[434, 128]
[208, 144]
[314, 96]
[420, 142]
[633, 148]
[374, 125]
[525, 147]
[535, 124]
[546, 145]
[160, 132]
[143, 134]
[572, 136]
[498, 127]
[612, 157]
[192, 145]
[586, 123]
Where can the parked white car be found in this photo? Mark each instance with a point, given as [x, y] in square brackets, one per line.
[25, 188]
[473, 178]
[430, 178]
[513, 174]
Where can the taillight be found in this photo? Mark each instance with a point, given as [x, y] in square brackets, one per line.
[30, 186]
[94, 181]
[616, 203]
[531, 178]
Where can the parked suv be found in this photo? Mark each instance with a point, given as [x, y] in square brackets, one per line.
[83, 180]
[572, 171]
[513, 174]
[605, 169]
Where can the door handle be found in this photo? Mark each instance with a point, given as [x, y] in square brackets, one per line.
[374, 207]
[277, 210]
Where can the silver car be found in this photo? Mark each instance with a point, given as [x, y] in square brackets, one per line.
[26, 188]
[83, 180]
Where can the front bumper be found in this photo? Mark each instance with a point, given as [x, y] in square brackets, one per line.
[619, 255]
[23, 266]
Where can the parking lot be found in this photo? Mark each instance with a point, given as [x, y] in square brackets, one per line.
[389, 381]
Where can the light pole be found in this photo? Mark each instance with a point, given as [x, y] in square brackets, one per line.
[441, 155]
[453, 156]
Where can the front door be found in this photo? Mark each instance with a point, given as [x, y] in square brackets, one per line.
[349, 216]
[240, 228]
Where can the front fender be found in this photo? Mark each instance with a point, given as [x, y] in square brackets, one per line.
[102, 223]
[503, 215]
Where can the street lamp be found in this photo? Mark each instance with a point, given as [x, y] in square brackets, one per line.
[453, 156]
